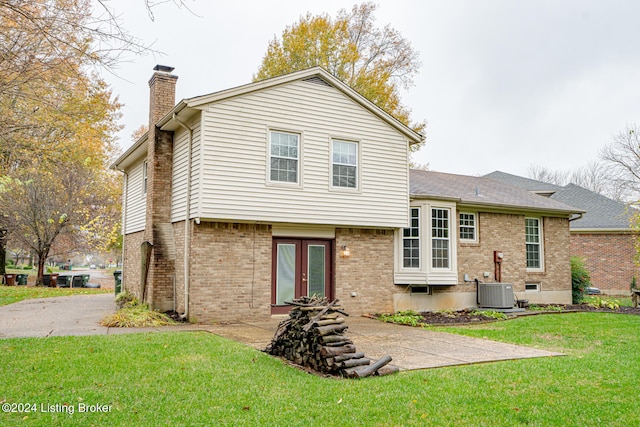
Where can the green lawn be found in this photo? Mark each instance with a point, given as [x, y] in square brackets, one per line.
[11, 294]
[198, 379]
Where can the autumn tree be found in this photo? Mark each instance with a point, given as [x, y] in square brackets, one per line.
[376, 62]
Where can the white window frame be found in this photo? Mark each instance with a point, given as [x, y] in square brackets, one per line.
[418, 237]
[145, 177]
[356, 165]
[535, 288]
[270, 156]
[540, 245]
[474, 227]
[433, 238]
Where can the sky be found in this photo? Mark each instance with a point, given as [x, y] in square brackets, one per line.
[503, 85]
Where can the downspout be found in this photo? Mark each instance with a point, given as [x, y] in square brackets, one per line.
[580, 215]
[187, 223]
[125, 191]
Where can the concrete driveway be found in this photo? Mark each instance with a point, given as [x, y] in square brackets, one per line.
[410, 348]
[70, 315]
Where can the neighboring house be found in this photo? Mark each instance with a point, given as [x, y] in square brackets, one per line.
[458, 226]
[603, 236]
[257, 194]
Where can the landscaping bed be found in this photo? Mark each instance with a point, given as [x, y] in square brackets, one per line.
[477, 316]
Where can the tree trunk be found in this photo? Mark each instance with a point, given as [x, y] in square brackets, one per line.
[42, 258]
[3, 250]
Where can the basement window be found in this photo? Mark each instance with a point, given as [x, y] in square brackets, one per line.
[532, 287]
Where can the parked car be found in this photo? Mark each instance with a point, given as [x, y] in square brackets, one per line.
[593, 291]
[92, 266]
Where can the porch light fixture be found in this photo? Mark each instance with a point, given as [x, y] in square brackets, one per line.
[344, 252]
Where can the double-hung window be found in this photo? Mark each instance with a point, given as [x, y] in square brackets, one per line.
[533, 238]
[345, 164]
[411, 241]
[468, 227]
[440, 245]
[284, 157]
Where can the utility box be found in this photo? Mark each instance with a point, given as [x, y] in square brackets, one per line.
[495, 295]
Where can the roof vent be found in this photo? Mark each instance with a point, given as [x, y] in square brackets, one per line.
[317, 80]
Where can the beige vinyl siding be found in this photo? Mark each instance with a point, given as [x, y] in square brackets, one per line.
[179, 171]
[235, 183]
[136, 201]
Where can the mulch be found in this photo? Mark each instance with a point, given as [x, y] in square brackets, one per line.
[465, 317]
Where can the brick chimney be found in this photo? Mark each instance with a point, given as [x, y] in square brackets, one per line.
[158, 230]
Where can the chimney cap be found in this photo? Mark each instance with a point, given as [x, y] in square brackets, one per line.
[163, 68]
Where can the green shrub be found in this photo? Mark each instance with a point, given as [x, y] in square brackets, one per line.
[633, 283]
[407, 317]
[580, 279]
[612, 304]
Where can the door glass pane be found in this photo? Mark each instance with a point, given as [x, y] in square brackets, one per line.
[316, 271]
[286, 273]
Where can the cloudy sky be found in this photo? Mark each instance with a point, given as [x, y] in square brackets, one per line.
[504, 84]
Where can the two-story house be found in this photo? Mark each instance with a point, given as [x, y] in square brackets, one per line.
[238, 201]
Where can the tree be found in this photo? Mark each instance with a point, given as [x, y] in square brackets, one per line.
[595, 176]
[42, 204]
[374, 61]
[622, 157]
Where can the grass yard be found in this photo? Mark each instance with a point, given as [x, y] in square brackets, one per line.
[11, 294]
[198, 379]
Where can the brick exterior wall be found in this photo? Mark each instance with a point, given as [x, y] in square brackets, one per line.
[160, 160]
[506, 233]
[609, 258]
[230, 272]
[368, 271]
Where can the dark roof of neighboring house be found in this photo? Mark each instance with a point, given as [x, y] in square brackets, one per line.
[601, 212]
[480, 191]
[524, 183]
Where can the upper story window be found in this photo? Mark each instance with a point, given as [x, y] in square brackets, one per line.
[411, 241]
[345, 164]
[284, 157]
[533, 238]
[468, 227]
[144, 177]
[440, 244]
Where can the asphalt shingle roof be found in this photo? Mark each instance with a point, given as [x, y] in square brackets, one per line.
[480, 191]
[522, 182]
[601, 212]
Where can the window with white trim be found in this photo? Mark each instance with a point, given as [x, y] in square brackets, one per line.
[533, 239]
[440, 244]
[344, 160]
[532, 287]
[284, 157]
[468, 227]
[144, 177]
[411, 241]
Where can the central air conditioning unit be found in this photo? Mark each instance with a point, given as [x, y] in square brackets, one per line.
[495, 295]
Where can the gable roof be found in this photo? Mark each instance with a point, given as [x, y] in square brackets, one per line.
[319, 75]
[187, 107]
[482, 192]
[602, 213]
